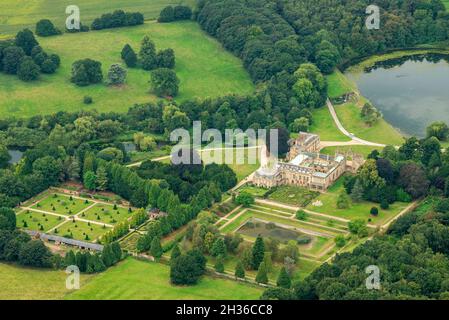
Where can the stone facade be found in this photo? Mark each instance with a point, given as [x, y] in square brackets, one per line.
[307, 167]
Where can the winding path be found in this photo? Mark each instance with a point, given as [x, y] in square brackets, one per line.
[355, 140]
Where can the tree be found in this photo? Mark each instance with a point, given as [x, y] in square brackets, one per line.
[90, 180]
[340, 241]
[25, 39]
[156, 248]
[85, 72]
[343, 200]
[262, 276]
[12, 57]
[147, 54]
[258, 251]
[49, 168]
[239, 270]
[182, 12]
[374, 211]
[187, 268]
[167, 15]
[28, 70]
[5, 157]
[176, 252]
[300, 124]
[218, 248]
[102, 179]
[357, 192]
[166, 59]
[219, 264]
[48, 66]
[116, 74]
[129, 56]
[245, 199]
[46, 28]
[439, 130]
[35, 254]
[358, 227]
[7, 219]
[164, 82]
[284, 280]
[414, 180]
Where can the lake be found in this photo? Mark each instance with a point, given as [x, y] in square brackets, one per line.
[411, 92]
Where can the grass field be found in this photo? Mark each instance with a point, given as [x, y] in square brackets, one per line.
[203, 66]
[337, 84]
[62, 205]
[78, 230]
[19, 283]
[381, 131]
[363, 150]
[356, 210]
[18, 14]
[133, 279]
[324, 125]
[105, 213]
[37, 221]
[242, 161]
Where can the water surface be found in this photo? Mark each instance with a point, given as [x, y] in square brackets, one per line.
[411, 92]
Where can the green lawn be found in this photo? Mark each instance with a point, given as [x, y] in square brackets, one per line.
[242, 161]
[380, 132]
[203, 66]
[18, 14]
[356, 210]
[133, 279]
[324, 125]
[255, 191]
[105, 213]
[62, 204]
[37, 221]
[79, 229]
[363, 150]
[293, 195]
[19, 283]
[338, 85]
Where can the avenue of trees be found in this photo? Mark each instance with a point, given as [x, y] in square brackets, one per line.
[25, 58]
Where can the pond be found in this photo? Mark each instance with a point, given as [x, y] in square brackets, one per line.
[411, 92]
[16, 155]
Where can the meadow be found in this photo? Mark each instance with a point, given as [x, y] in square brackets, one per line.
[20, 283]
[18, 14]
[138, 280]
[204, 68]
[360, 210]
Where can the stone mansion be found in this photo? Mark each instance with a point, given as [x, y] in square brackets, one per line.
[306, 167]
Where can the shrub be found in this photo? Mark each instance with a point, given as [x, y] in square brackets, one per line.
[164, 82]
[48, 66]
[129, 56]
[28, 70]
[403, 196]
[116, 75]
[340, 241]
[301, 215]
[384, 204]
[374, 211]
[12, 57]
[46, 28]
[182, 13]
[167, 15]
[88, 100]
[85, 72]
